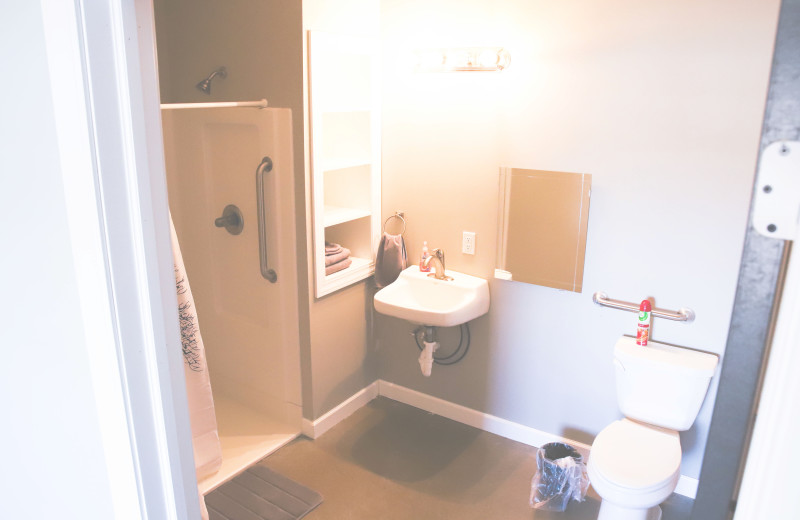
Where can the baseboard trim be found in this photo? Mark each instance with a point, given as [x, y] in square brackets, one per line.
[687, 486]
[314, 429]
[483, 421]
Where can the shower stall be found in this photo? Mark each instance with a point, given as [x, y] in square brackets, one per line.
[231, 196]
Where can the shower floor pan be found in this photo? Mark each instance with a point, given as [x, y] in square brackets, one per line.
[247, 436]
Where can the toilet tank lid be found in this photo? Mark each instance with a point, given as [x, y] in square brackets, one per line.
[703, 363]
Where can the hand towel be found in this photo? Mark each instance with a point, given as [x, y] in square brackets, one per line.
[332, 249]
[338, 257]
[390, 260]
[338, 266]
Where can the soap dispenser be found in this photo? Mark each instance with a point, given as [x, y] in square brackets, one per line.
[422, 267]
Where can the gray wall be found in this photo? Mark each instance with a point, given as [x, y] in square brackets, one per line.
[661, 103]
[259, 42]
[341, 358]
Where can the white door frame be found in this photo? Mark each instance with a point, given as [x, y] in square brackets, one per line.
[770, 479]
[106, 54]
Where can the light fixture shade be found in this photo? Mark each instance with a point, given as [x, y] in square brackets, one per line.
[462, 59]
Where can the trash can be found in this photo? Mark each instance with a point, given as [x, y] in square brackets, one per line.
[560, 476]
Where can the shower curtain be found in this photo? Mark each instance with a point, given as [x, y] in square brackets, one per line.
[205, 437]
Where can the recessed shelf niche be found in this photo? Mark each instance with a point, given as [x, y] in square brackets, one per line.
[344, 104]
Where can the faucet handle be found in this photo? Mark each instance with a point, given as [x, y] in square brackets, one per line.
[438, 253]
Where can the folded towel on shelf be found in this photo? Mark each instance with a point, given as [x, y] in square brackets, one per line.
[332, 249]
[338, 266]
[391, 259]
[338, 257]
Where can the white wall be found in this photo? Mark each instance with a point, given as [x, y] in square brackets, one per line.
[66, 454]
[660, 102]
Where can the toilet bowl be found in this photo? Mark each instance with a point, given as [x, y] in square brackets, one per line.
[634, 467]
[635, 462]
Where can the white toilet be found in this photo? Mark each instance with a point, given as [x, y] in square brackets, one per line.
[635, 462]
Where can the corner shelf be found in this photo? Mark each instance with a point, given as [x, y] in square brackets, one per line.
[344, 107]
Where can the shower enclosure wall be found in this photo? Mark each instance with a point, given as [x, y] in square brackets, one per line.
[249, 324]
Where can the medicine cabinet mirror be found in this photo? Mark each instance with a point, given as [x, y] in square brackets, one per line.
[543, 222]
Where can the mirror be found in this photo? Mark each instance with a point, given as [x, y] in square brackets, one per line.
[543, 220]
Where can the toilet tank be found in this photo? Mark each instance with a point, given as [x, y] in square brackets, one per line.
[660, 384]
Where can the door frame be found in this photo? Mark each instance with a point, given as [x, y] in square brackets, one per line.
[113, 62]
[758, 298]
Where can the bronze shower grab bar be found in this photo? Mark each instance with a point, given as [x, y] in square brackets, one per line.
[263, 168]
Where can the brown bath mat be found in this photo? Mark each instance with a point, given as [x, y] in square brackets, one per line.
[261, 494]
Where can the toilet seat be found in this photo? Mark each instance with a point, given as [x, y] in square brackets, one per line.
[635, 463]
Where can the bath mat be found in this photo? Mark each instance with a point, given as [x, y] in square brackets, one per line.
[261, 494]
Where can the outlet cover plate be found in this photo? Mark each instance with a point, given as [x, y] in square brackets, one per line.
[468, 242]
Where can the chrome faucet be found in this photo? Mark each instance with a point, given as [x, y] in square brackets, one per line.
[438, 265]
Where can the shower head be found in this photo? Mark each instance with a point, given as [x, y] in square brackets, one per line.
[205, 85]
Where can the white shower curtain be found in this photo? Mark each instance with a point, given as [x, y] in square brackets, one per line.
[205, 437]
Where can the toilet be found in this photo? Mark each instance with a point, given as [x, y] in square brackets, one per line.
[635, 462]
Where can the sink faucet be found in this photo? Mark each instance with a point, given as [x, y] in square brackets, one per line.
[437, 258]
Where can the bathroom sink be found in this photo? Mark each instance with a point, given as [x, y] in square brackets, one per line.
[419, 298]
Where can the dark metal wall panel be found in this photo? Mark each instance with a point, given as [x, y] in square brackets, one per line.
[759, 285]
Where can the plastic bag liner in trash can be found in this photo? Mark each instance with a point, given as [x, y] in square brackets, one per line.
[560, 476]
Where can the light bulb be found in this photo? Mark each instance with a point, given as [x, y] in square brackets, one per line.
[458, 59]
[488, 59]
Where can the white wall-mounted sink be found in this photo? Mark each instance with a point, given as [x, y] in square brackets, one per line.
[418, 298]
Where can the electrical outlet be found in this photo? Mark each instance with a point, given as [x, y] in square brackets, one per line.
[468, 242]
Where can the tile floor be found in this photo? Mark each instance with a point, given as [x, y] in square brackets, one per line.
[390, 461]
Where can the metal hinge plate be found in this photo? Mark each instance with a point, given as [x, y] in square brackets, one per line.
[777, 197]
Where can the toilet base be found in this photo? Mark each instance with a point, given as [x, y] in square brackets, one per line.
[610, 511]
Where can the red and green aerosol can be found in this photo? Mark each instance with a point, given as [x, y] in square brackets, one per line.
[643, 323]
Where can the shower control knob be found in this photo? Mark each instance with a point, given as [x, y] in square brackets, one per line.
[231, 220]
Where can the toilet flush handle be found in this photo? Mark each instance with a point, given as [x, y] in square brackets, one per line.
[618, 364]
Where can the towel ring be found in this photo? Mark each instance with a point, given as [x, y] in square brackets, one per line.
[396, 215]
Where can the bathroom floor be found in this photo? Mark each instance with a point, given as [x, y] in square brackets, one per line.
[391, 461]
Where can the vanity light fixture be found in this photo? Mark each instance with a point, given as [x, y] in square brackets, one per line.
[463, 59]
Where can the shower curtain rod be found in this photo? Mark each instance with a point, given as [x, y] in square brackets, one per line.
[228, 104]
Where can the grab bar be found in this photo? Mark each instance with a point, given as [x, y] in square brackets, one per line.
[682, 314]
[264, 167]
